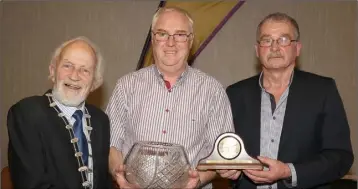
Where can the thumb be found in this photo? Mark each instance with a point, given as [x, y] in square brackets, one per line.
[193, 173]
[266, 160]
[119, 169]
[120, 178]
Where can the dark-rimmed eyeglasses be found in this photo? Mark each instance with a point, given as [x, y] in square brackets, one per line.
[281, 41]
[178, 37]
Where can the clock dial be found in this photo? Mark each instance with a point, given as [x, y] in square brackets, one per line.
[229, 147]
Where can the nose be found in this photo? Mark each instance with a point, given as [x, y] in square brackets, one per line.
[75, 75]
[274, 45]
[171, 41]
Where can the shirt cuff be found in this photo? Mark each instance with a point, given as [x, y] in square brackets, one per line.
[117, 143]
[290, 183]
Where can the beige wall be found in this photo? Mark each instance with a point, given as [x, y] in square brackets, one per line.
[31, 30]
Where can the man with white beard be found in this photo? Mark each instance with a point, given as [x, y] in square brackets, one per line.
[57, 140]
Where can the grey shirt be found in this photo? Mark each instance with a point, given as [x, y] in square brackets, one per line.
[272, 117]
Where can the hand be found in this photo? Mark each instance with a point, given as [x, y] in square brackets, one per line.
[276, 170]
[229, 174]
[118, 175]
[194, 180]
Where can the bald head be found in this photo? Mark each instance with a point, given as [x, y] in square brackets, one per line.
[79, 46]
[165, 10]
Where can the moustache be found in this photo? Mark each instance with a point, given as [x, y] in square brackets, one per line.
[274, 55]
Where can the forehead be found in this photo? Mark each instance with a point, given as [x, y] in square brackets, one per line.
[277, 29]
[172, 21]
[80, 52]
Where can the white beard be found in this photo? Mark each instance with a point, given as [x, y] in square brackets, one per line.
[73, 100]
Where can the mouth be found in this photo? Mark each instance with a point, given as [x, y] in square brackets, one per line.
[73, 87]
[275, 57]
[170, 52]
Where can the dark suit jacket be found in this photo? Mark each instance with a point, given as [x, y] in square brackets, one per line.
[315, 134]
[40, 153]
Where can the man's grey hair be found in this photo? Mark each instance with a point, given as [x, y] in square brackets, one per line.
[99, 66]
[176, 9]
[279, 17]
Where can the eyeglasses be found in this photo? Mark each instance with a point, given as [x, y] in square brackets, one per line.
[281, 41]
[178, 37]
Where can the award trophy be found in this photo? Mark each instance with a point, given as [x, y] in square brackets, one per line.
[229, 153]
[157, 165]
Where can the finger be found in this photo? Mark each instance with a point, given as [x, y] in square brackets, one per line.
[252, 177]
[231, 173]
[227, 173]
[121, 180]
[120, 169]
[193, 174]
[222, 171]
[235, 176]
[257, 173]
[123, 183]
[192, 182]
[253, 172]
[193, 179]
[266, 160]
[256, 179]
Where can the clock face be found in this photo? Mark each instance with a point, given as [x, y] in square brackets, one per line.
[229, 147]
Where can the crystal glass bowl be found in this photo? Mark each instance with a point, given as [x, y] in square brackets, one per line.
[157, 165]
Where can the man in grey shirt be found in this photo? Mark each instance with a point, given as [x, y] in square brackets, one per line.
[294, 121]
[169, 101]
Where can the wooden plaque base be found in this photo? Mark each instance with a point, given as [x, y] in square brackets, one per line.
[228, 166]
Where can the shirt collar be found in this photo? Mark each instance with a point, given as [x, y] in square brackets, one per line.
[182, 76]
[261, 79]
[68, 110]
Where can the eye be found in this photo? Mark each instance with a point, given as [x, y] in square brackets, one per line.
[85, 71]
[181, 34]
[67, 65]
[162, 34]
[283, 38]
[268, 40]
[265, 41]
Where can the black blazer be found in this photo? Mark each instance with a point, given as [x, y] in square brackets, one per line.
[315, 134]
[40, 153]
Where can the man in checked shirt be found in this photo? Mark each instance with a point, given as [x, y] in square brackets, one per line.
[168, 101]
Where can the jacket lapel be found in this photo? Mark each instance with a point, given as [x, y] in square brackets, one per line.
[292, 112]
[248, 110]
[256, 117]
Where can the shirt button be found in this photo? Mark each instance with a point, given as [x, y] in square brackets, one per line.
[270, 187]
[272, 140]
[167, 110]
[164, 132]
[274, 118]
